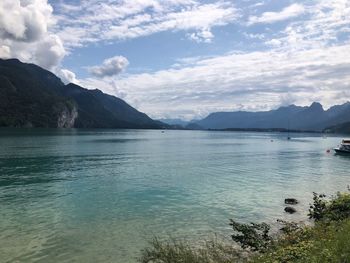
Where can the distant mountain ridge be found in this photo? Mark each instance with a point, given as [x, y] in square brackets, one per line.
[34, 97]
[339, 128]
[292, 117]
[175, 122]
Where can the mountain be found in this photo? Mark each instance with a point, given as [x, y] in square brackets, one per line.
[34, 97]
[193, 126]
[97, 109]
[175, 122]
[339, 128]
[291, 117]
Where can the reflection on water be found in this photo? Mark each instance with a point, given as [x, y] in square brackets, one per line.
[97, 195]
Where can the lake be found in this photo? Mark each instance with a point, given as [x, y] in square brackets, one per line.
[99, 195]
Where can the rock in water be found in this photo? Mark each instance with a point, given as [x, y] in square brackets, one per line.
[290, 210]
[291, 201]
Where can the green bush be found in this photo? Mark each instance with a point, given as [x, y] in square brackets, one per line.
[252, 236]
[335, 209]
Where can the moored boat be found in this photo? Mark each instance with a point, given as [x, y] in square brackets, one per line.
[344, 147]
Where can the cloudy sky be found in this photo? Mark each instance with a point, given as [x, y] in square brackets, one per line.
[186, 58]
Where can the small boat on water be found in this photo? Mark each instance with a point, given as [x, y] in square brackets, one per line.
[344, 147]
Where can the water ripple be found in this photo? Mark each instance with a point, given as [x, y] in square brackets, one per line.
[97, 196]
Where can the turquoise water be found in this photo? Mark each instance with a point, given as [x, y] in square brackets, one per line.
[97, 196]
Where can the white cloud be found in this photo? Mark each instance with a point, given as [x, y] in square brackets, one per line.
[67, 76]
[328, 18]
[49, 52]
[110, 67]
[254, 36]
[203, 36]
[288, 12]
[24, 33]
[131, 19]
[274, 42]
[5, 52]
[24, 20]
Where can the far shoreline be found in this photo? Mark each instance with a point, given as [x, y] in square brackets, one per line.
[243, 130]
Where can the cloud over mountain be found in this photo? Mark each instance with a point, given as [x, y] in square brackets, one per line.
[24, 33]
[67, 76]
[24, 20]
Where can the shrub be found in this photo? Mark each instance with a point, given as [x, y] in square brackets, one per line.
[252, 236]
[318, 209]
[337, 208]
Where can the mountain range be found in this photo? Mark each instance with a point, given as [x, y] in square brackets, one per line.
[34, 97]
[313, 118]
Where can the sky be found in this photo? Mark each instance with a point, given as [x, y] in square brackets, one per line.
[188, 58]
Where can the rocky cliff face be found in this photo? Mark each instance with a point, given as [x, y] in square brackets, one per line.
[67, 117]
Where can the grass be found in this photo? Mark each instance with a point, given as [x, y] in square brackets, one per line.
[177, 251]
[327, 241]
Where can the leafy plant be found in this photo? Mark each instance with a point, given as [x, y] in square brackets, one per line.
[253, 236]
[318, 209]
[337, 208]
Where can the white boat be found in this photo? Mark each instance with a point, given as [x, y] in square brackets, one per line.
[344, 147]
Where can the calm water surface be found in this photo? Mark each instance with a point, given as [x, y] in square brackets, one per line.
[98, 195]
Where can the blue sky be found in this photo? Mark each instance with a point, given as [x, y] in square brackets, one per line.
[187, 58]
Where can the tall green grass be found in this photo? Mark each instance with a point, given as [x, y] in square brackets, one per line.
[179, 251]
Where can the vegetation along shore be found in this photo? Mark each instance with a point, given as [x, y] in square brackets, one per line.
[326, 240]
